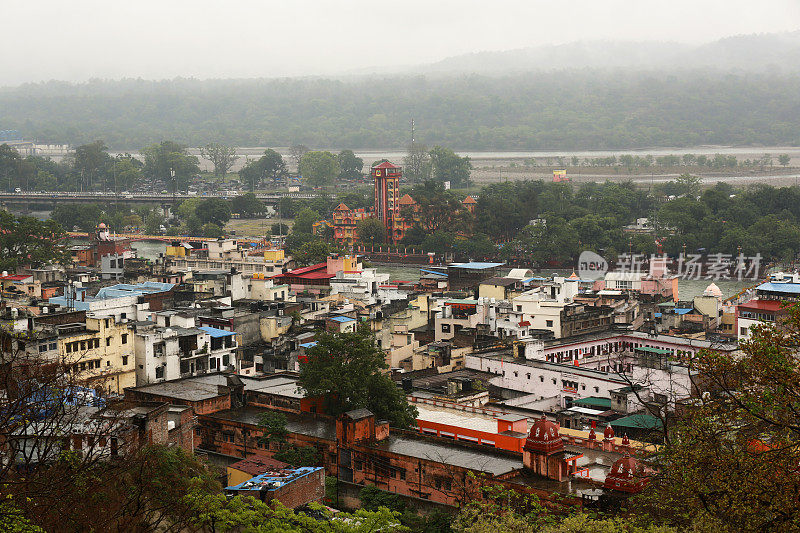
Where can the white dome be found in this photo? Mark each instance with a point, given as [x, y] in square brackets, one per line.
[713, 290]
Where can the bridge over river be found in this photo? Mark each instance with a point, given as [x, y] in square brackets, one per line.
[51, 198]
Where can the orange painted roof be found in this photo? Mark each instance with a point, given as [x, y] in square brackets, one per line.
[469, 200]
[406, 200]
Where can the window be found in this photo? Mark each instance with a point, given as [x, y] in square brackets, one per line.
[42, 348]
[124, 360]
[83, 345]
[445, 328]
[53, 346]
[108, 341]
[541, 379]
[597, 389]
[549, 323]
[159, 372]
[743, 331]
[108, 363]
[519, 309]
[529, 375]
[107, 322]
[124, 338]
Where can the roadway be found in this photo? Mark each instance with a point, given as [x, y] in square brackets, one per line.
[150, 198]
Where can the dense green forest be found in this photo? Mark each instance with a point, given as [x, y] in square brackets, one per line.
[556, 110]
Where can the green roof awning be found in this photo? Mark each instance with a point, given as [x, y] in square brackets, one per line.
[648, 349]
[640, 421]
[461, 301]
[594, 401]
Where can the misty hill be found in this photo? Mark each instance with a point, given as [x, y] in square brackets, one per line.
[570, 109]
[760, 52]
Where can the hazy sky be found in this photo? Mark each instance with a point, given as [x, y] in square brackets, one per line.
[80, 39]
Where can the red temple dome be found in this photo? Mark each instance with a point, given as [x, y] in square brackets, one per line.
[544, 437]
[626, 475]
[608, 434]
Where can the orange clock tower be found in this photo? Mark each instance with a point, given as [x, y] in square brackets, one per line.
[387, 189]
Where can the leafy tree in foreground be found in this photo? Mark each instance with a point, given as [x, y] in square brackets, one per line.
[731, 460]
[347, 369]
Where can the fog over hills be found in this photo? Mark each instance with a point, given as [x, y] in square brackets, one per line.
[757, 52]
[741, 90]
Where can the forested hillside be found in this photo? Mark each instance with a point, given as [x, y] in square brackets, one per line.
[559, 110]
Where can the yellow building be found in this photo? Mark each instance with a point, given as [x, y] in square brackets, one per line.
[274, 255]
[99, 354]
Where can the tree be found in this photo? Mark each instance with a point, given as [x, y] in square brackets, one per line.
[688, 185]
[273, 165]
[211, 230]
[350, 166]
[304, 220]
[784, 160]
[269, 166]
[319, 168]
[279, 228]
[26, 240]
[371, 231]
[126, 172]
[296, 152]
[314, 250]
[274, 424]
[731, 459]
[247, 205]
[214, 210]
[163, 159]
[9, 166]
[221, 156]
[447, 166]
[91, 162]
[417, 163]
[346, 368]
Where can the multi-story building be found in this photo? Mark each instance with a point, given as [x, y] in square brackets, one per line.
[225, 254]
[173, 347]
[122, 301]
[770, 304]
[387, 196]
[98, 353]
